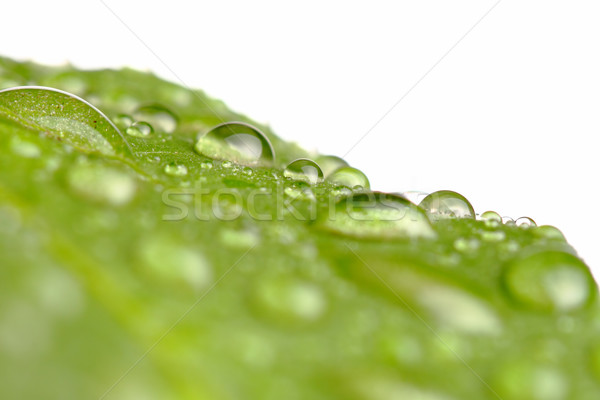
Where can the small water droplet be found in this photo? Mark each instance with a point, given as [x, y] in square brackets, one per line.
[175, 169]
[288, 301]
[238, 142]
[349, 177]
[446, 204]
[159, 116]
[24, 148]
[102, 184]
[304, 169]
[206, 165]
[550, 280]
[139, 129]
[524, 380]
[377, 215]
[166, 260]
[248, 171]
[465, 245]
[525, 222]
[491, 219]
[329, 164]
[508, 221]
[493, 236]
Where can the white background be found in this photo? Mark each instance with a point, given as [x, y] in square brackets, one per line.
[509, 117]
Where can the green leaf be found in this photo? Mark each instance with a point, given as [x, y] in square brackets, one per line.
[136, 267]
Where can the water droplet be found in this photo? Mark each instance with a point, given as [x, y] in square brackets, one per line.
[102, 184]
[206, 165]
[329, 164]
[175, 169]
[238, 142]
[289, 301]
[248, 171]
[524, 380]
[465, 245]
[123, 121]
[508, 221]
[549, 232]
[493, 236]
[24, 148]
[525, 222]
[139, 129]
[160, 117]
[377, 215]
[164, 259]
[491, 218]
[446, 204]
[349, 177]
[550, 280]
[304, 169]
[66, 117]
[226, 164]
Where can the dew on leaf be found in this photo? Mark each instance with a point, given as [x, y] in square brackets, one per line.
[206, 165]
[329, 164]
[491, 219]
[549, 232]
[165, 259]
[493, 236]
[289, 301]
[66, 117]
[123, 121]
[523, 380]
[24, 148]
[349, 177]
[159, 116]
[140, 129]
[102, 184]
[175, 169]
[237, 142]
[304, 169]
[465, 245]
[525, 222]
[549, 281]
[377, 215]
[508, 221]
[446, 204]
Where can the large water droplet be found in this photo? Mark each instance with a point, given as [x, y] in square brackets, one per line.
[238, 142]
[349, 177]
[139, 129]
[549, 232]
[64, 116]
[304, 169]
[377, 215]
[329, 164]
[446, 204]
[550, 280]
[160, 117]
